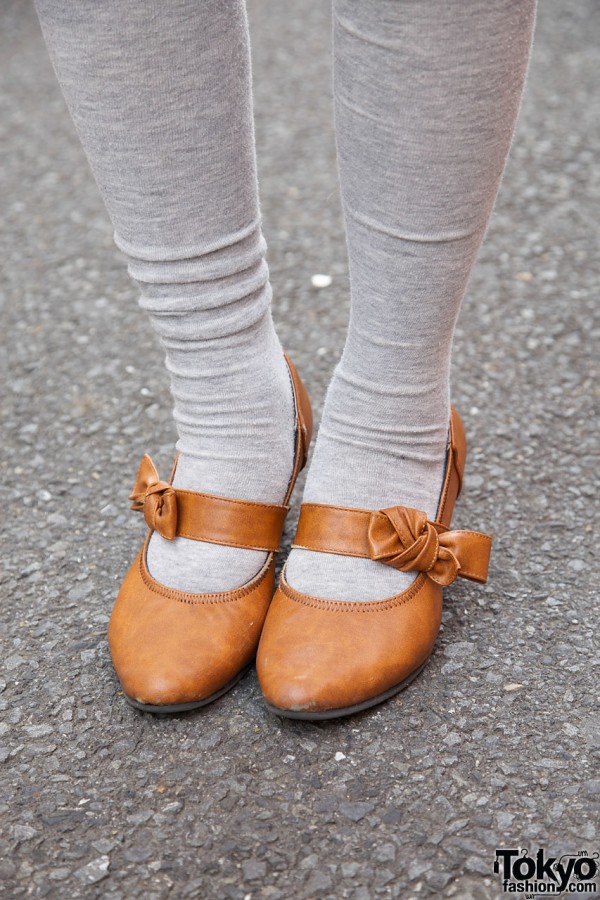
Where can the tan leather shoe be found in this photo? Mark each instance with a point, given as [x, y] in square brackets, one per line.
[319, 659]
[173, 650]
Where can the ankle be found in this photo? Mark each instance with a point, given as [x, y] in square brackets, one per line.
[236, 422]
[377, 447]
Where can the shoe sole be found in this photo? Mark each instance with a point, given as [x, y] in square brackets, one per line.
[163, 709]
[321, 715]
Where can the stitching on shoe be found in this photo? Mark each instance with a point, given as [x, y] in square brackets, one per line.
[227, 543]
[191, 598]
[466, 531]
[367, 606]
[330, 550]
[255, 503]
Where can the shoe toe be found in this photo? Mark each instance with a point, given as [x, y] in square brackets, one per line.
[324, 656]
[149, 681]
[170, 648]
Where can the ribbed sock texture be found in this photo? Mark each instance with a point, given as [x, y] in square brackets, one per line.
[161, 97]
[426, 97]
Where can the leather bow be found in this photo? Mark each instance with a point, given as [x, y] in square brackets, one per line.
[405, 539]
[156, 499]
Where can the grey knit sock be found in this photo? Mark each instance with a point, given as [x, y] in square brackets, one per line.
[161, 97]
[426, 97]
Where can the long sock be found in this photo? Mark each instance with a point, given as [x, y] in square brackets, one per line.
[426, 97]
[160, 94]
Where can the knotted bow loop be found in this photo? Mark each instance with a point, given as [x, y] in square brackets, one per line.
[405, 539]
[156, 499]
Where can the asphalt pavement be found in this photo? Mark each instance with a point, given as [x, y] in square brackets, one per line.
[497, 743]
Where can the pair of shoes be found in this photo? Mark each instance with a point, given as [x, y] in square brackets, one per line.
[316, 659]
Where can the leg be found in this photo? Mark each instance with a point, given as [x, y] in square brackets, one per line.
[426, 97]
[161, 97]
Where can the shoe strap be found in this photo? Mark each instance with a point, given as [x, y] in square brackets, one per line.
[399, 536]
[205, 517]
